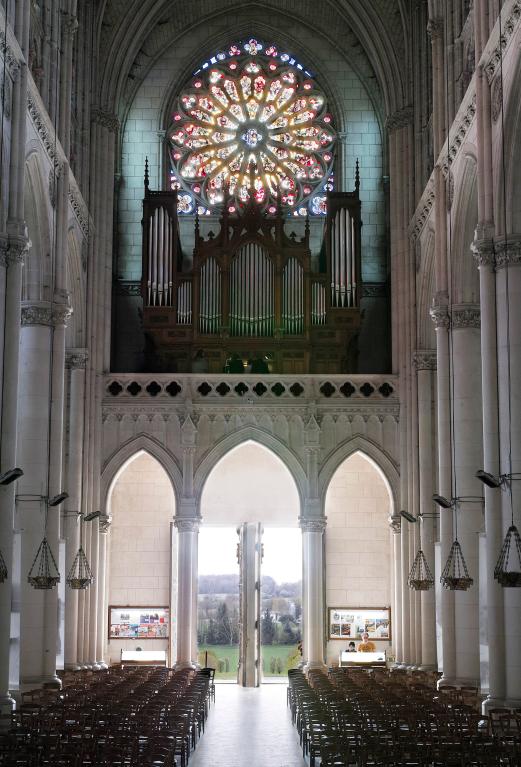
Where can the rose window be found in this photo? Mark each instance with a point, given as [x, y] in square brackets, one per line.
[252, 120]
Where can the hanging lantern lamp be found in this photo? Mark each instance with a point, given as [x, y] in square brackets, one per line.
[507, 571]
[455, 575]
[44, 573]
[420, 578]
[3, 569]
[80, 575]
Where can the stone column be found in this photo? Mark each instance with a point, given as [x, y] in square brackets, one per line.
[104, 527]
[395, 523]
[313, 589]
[468, 456]
[12, 255]
[425, 364]
[188, 530]
[495, 649]
[440, 317]
[92, 596]
[40, 431]
[75, 363]
[508, 265]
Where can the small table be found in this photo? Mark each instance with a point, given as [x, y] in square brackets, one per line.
[143, 657]
[362, 658]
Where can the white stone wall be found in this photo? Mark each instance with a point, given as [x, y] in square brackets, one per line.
[357, 542]
[142, 506]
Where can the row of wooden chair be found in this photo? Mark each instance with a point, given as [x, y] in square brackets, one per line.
[116, 718]
[360, 719]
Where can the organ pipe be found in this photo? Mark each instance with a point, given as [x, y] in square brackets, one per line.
[184, 303]
[252, 300]
[293, 297]
[318, 304]
[343, 260]
[210, 297]
[160, 259]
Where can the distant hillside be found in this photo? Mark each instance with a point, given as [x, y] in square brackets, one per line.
[229, 584]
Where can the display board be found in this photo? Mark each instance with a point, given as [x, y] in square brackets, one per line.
[138, 622]
[351, 622]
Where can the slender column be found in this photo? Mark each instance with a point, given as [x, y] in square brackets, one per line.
[104, 527]
[508, 265]
[13, 261]
[75, 362]
[13, 248]
[40, 422]
[440, 317]
[468, 455]
[395, 524]
[494, 653]
[425, 363]
[313, 589]
[188, 530]
[92, 597]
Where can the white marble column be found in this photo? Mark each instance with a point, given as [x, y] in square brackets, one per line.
[508, 266]
[493, 652]
[104, 527]
[468, 456]
[425, 363]
[41, 400]
[440, 317]
[313, 590]
[395, 523]
[75, 363]
[187, 543]
[92, 596]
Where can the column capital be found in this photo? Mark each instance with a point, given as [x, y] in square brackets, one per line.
[44, 313]
[435, 28]
[395, 523]
[105, 521]
[312, 525]
[107, 120]
[508, 251]
[399, 119]
[17, 249]
[466, 316]
[76, 359]
[424, 359]
[483, 252]
[4, 246]
[440, 311]
[187, 524]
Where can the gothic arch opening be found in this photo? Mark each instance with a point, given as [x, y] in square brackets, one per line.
[250, 508]
[357, 544]
[141, 559]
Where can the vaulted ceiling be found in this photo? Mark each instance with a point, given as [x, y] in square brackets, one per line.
[371, 36]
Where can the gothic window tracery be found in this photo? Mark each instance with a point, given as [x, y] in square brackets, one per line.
[252, 120]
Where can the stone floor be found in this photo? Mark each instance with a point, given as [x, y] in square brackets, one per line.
[248, 727]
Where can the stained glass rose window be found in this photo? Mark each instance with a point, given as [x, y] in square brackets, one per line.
[252, 118]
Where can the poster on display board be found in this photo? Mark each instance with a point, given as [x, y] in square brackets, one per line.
[138, 622]
[351, 622]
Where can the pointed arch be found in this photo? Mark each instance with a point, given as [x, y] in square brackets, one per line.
[370, 450]
[239, 437]
[142, 443]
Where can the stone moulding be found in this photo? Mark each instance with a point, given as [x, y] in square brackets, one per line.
[187, 524]
[465, 316]
[508, 25]
[312, 525]
[424, 359]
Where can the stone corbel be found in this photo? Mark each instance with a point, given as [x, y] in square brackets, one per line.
[395, 523]
[105, 521]
[76, 359]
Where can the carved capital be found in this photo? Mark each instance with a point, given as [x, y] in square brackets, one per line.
[435, 29]
[60, 314]
[395, 523]
[440, 311]
[4, 246]
[508, 253]
[483, 252]
[466, 316]
[312, 525]
[36, 314]
[106, 119]
[187, 524]
[70, 25]
[76, 359]
[17, 250]
[399, 119]
[105, 520]
[424, 359]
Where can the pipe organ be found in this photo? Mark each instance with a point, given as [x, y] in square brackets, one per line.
[251, 289]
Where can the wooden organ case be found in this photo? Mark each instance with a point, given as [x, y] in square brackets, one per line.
[251, 290]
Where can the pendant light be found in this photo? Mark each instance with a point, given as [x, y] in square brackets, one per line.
[420, 578]
[44, 572]
[80, 575]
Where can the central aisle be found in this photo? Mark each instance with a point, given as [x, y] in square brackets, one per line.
[248, 727]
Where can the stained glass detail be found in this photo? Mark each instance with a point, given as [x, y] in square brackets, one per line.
[252, 121]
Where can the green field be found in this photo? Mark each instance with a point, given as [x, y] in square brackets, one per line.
[275, 659]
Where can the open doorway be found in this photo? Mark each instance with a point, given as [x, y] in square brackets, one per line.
[250, 568]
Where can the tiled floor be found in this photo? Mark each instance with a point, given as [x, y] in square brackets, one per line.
[248, 727]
